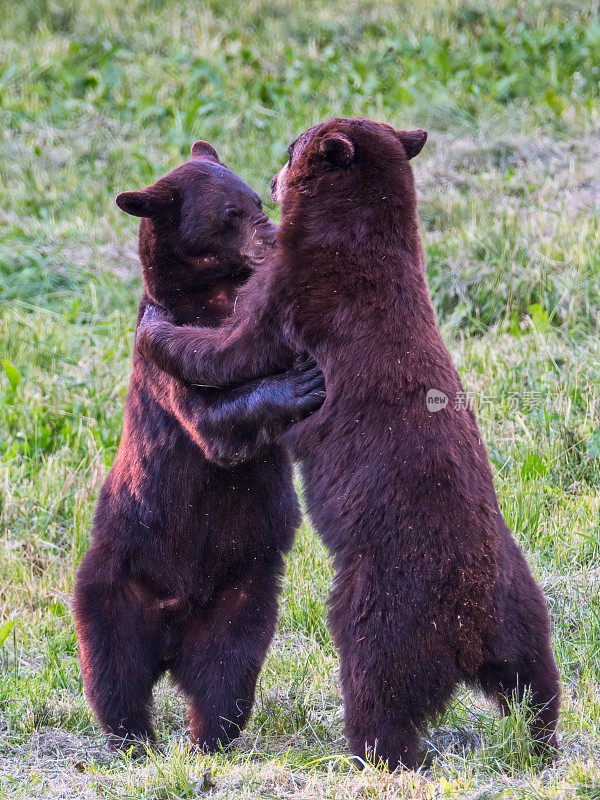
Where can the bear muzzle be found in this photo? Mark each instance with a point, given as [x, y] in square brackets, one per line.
[278, 184]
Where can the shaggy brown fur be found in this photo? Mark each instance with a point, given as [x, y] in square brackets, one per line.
[184, 569]
[430, 589]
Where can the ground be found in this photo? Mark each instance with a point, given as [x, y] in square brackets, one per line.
[101, 96]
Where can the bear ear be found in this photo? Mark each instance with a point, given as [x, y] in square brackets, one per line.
[145, 202]
[202, 149]
[337, 149]
[412, 141]
[138, 204]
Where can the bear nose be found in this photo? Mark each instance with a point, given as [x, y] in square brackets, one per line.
[268, 232]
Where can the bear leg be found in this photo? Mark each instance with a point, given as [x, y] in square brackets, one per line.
[120, 660]
[537, 676]
[392, 684]
[385, 744]
[522, 662]
[222, 652]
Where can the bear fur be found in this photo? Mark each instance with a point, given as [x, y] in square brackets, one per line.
[199, 508]
[431, 589]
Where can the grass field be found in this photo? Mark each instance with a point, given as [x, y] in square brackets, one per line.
[96, 97]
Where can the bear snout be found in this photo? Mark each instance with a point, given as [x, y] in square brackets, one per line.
[278, 185]
[267, 232]
[260, 240]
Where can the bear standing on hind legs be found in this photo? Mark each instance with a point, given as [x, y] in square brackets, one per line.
[199, 507]
[430, 588]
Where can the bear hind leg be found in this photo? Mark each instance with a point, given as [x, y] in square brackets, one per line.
[522, 664]
[120, 661]
[389, 702]
[386, 745]
[220, 658]
[538, 680]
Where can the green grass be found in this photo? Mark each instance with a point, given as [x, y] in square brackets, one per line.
[97, 96]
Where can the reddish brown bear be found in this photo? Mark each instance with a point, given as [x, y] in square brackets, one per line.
[184, 569]
[430, 589]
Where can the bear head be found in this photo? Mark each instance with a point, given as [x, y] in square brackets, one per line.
[351, 176]
[201, 227]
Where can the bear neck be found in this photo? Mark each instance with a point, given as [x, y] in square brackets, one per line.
[374, 222]
[368, 258]
[191, 294]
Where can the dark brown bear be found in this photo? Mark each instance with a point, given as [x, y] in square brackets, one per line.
[430, 589]
[184, 569]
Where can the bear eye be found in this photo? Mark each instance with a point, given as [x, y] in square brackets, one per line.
[232, 212]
